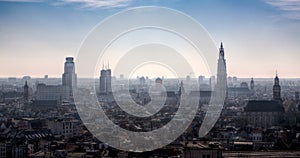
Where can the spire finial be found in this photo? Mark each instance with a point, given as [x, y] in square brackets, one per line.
[221, 45]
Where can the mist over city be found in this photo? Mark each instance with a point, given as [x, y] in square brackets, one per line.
[137, 78]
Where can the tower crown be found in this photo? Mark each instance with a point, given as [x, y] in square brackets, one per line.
[69, 59]
[221, 50]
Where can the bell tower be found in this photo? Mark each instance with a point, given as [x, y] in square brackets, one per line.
[276, 89]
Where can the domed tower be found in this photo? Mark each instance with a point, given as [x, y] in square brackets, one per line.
[277, 90]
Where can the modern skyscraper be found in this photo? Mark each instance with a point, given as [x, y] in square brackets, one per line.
[222, 71]
[105, 81]
[276, 89]
[69, 77]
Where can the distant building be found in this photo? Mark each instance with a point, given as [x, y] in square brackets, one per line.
[222, 70]
[52, 92]
[188, 78]
[105, 81]
[12, 79]
[44, 104]
[69, 77]
[241, 91]
[26, 92]
[234, 79]
[220, 89]
[142, 81]
[277, 90]
[12, 150]
[198, 150]
[201, 80]
[67, 128]
[266, 113]
[204, 96]
[26, 78]
[159, 81]
[212, 82]
[252, 84]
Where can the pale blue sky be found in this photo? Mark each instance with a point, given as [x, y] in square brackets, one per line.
[259, 36]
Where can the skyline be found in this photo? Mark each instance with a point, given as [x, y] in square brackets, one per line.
[260, 37]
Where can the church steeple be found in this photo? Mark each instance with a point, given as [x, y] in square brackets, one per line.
[276, 89]
[276, 80]
[252, 84]
[222, 72]
[222, 61]
[26, 92]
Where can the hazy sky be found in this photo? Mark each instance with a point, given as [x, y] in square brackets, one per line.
[259, 36]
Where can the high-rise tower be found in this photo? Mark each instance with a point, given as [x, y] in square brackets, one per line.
[105, 81]
[69, 77]
[276, 89]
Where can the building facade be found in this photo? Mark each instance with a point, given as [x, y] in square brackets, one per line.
[105, 81]
[52, 92]
[266, 113]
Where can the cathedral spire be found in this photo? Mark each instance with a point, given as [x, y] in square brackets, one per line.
[222, 72]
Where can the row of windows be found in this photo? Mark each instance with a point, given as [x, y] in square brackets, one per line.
[255, 138]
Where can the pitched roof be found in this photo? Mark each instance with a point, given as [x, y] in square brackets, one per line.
[263, 106]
